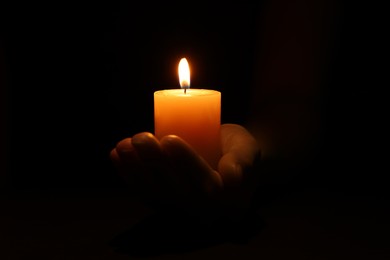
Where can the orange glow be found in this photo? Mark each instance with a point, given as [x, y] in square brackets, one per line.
[194, 116]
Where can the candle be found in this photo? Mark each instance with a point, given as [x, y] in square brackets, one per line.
[192, 114]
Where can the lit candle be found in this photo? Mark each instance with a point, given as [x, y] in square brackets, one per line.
[192, 114]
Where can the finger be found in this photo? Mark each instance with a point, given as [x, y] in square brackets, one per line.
[236, 139]
[118, 164]
[166, 184]
[147, 147]
[230, 170]
[127, 153]
[115, 158]
[156, 167]
[240, 151]
[128, 163]
[190, 168]
[149, 150]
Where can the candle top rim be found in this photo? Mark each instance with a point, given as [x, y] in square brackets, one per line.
[190, 92]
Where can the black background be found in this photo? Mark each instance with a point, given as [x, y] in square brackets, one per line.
[80, 77]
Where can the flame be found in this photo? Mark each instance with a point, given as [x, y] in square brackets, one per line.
[184, 74]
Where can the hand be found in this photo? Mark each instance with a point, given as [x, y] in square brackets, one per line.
[170, 173]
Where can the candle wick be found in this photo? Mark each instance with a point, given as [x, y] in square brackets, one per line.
[185, 90]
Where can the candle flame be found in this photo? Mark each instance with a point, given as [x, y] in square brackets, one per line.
[184, 73]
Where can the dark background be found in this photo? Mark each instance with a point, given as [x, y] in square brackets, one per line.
[306, 77]
[81, 77]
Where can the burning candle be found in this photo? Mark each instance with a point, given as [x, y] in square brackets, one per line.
[192, 114]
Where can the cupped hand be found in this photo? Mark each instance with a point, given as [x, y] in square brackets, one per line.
[169, 173]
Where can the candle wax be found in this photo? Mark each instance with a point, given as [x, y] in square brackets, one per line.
[194, 116]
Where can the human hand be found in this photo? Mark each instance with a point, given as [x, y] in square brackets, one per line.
[170, 173]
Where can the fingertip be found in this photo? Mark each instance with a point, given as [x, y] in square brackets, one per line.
[114, 155]
[170, 140]
[147, 146]
[116, 160]
[174, 146]
[142, 138]
[125, 145]
[230, 170]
